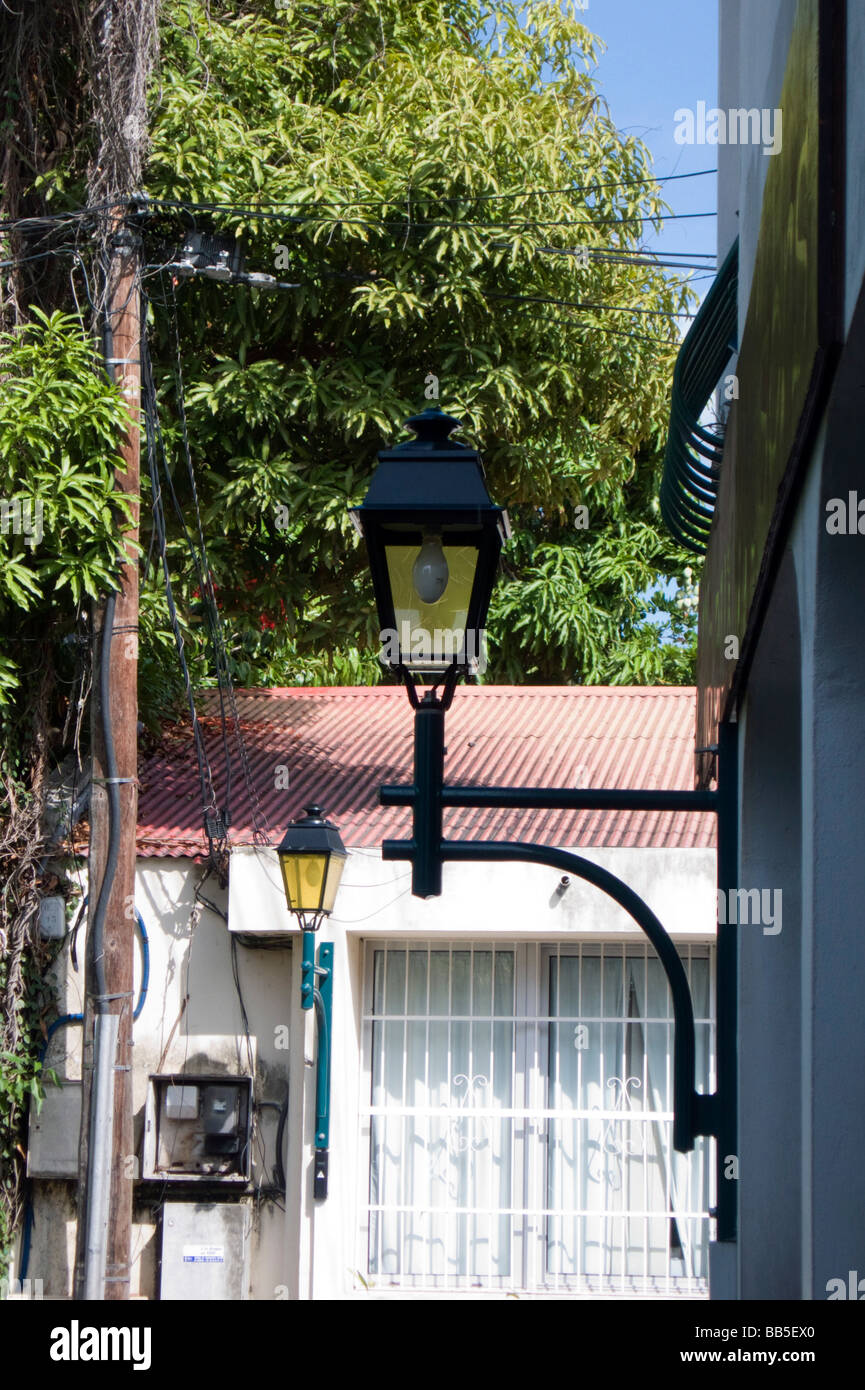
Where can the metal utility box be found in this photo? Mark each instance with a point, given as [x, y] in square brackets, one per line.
[52, 1148]
[181, 1102]
[198, 1129]
[205, 1251]
[52, 918]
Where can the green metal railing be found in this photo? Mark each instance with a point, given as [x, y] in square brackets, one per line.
[693, 458]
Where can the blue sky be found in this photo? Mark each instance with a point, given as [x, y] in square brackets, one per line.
[659, 57]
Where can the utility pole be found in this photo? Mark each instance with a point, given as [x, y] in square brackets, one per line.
[107, 1162]
[123, 318]
[119, 47]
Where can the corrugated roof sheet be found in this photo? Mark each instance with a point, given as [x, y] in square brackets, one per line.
[339, 744]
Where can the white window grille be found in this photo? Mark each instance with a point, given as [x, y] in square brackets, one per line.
[519, 1129]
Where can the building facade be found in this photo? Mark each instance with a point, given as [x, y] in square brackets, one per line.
[501, 1065]
[776, 511]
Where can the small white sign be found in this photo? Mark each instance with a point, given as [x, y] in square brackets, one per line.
[203, 1254]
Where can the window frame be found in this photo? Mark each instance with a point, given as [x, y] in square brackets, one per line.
[531, 1081]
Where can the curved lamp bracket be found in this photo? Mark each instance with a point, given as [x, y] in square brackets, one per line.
[694, 1113]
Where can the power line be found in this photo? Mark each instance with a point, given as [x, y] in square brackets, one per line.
[208, 594]
[625, 257]
[469, 197]
[408, 223]
[620, 333]
[401, 225]
[645, 251]
[571, 304]
[578, 188]
[494, 294]
[56, 219]
[580, 304]
[543, 299]
[609, 255]
[52, 219]
[600, 328]
[37, 256]
[603, 255]
[598, 252]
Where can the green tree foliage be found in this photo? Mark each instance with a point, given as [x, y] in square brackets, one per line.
[61, 523]
[429, 174]
[444, 185]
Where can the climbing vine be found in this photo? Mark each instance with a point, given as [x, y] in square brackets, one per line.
[25, 997]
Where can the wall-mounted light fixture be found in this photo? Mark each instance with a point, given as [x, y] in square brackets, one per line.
[426, 502]
[434, 537]
[312, 858]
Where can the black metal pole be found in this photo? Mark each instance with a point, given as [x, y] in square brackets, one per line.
[429, 752]
[690, 1116]
[559, 798]
[694, 1114]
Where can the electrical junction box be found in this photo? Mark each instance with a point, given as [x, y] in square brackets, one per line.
[198, 1129]
[206, 253]
[52, 1146]
[205, 1251]
[52, 918]
[181, 1102]
[256, 896]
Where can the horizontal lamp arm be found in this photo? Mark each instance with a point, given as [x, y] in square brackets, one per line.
[692, 1114]
[559, 798]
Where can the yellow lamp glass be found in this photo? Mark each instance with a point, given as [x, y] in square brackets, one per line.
[304, 877]
[433, 633]
[335, 866]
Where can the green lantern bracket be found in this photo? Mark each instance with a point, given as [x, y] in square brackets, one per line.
[312, 857]
[694, 1113]
[320, 997]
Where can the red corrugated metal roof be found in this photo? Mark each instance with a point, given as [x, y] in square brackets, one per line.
[340, 743]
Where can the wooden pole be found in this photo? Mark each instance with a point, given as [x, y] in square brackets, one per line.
[125, 325]
[122, 339]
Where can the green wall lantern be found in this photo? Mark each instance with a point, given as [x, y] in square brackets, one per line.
[312, 858]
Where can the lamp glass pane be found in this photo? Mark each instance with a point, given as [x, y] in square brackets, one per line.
[304, 876]
[334, 874]
[431, 632]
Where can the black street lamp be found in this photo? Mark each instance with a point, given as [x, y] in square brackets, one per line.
[434, 538]
[312, 858]
[409, 517]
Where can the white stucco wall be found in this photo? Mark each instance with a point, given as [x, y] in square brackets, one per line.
[802, 1026]
[310, 1250]
[501, 902]
[204, 1035]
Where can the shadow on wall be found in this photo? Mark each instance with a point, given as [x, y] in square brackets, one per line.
[770, 1004]
[215, 1005]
